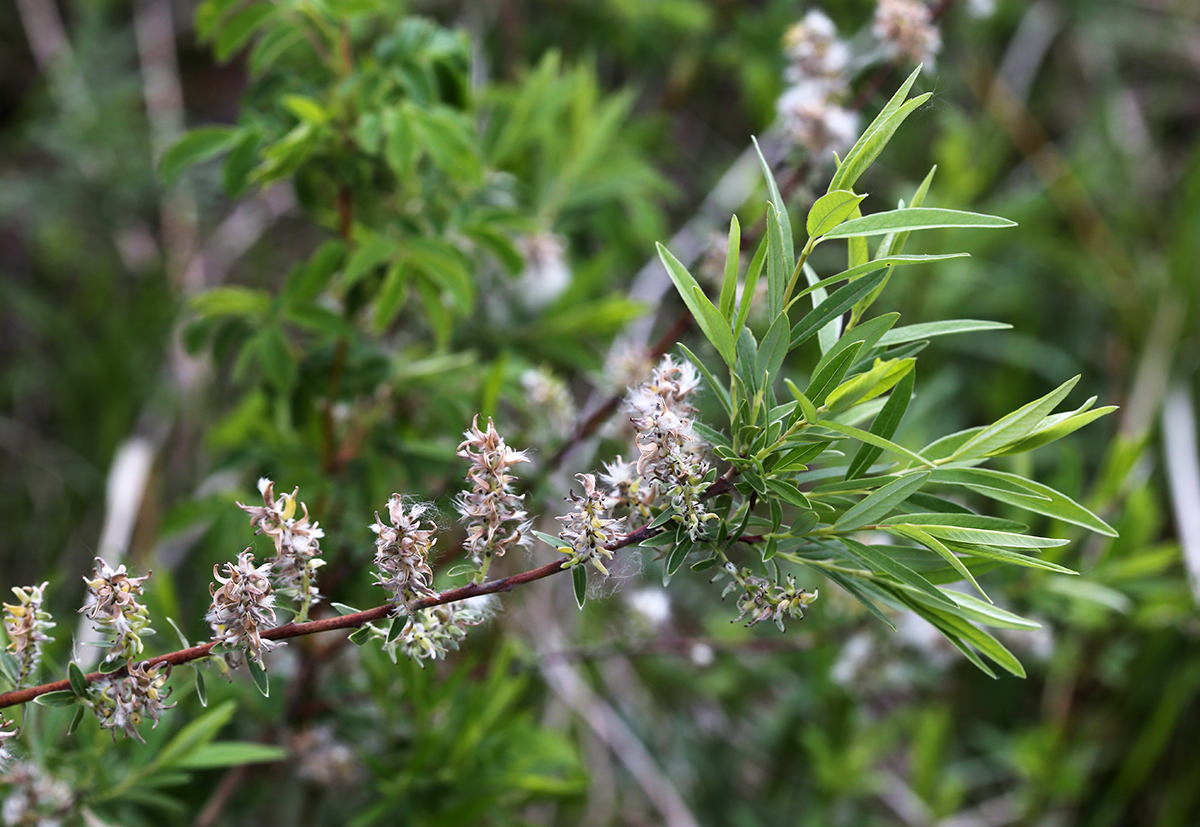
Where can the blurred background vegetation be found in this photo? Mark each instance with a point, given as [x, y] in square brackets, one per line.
[131, 416]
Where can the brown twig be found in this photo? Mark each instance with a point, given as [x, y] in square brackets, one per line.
[17, 697]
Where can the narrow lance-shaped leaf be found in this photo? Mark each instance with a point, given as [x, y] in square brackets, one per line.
[838, 303]
[870, 384]
[915, 332]
[830, 210]
[881, 502]
[785, 223]
[733, 255]
[751, 286]
[779, 266]
[1032, 496]
[876, 558]
[884, 426]
[874, 439]
[710, 321]
[922, 218]
[871, 267]
[876, 136]
[1014, 426]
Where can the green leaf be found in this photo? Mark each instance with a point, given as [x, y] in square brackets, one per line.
[806, 405]
[955, 627]
[372, 251]
[62, 697]
[579, 582]
[675, 559]
[869, 267]
[751, 286]
[937, 546]
[195, 147]
[445, 267]
[1014, 426]
[916, 332]
[240, 28]
[259, 674]
[360, 636]
[715, 328]
[880, 502]
[306, 109]
[232, 301]
[1030, 495]
[733, 257]
[867, 148]
[747, 358]
[987, 537]
[78, 681]
[201, 690]
[785, 223]
[192, 736]
[876, 558]
[859, 591]
[989, 615]
[10, 670]
[183, 641]
[873, 439]
[829, 376]
[789, 493]
[779, 266]
[1050, 431]
[884, 426]
[839, 302]
[553, 542]
[232, 754]
[76, 719]
[830, 210]
[773, 350]
[242, 157]
[915, 218]
[867, 385]
[959, 519]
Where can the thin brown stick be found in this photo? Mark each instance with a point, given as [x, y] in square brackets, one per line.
[17, 697]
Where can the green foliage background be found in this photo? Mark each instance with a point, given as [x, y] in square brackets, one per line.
[1077, 120]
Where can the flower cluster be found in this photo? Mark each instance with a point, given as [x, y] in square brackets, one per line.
[112, 601]
[762, 598]
[546, 274]
[905, 29]
[430, 633]
[493, 514]
[297, 543]
[588, 531]
[809, 109]
[550, 400]
[671, 454]
[243, 606]
[402, 552]
[25, 623]
[627, 491]
[123, 704]
[34, 798]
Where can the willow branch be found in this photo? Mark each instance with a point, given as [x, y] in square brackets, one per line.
[350, 621]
